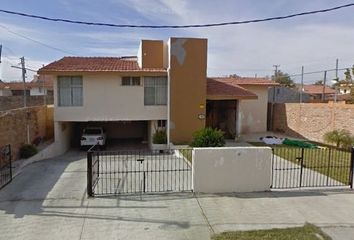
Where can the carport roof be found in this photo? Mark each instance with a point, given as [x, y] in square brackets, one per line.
[218, 89]
[97, 64]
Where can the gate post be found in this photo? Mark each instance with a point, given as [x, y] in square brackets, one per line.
[10, 160]
[351, 169]
[89, 174]
[302, 165]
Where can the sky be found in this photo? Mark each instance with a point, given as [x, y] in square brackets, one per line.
[314, 42]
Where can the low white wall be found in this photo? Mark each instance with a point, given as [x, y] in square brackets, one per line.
[232, 169]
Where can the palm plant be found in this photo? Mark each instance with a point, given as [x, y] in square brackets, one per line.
[341, 138]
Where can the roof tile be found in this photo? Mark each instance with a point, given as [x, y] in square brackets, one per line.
[217, 87]
[96, 64]
[246, 81]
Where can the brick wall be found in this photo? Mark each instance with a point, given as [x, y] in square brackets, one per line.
[13, 126]
[13, 102]
[312, 120]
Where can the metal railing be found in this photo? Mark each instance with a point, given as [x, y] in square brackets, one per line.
[294, 167]
[129, 172]
[5, 165]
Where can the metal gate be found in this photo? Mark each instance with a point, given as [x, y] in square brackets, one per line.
[129, 172]
[303, 167]
[5, 165]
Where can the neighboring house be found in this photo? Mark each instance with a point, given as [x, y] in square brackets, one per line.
[318, 92]
[310, 93]
[165, 86]
[344, 88]
[39, 86]
[4, 90]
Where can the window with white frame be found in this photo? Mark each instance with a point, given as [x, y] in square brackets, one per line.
[161, 123]
[155, 90]
[70, 91]
[130, 81]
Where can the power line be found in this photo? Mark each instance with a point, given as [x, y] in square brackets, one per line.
[321, 71]
[175, 26]
[36, 41]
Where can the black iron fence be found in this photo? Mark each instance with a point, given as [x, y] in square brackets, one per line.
[124, 172]
[303, 167]
[5, 165]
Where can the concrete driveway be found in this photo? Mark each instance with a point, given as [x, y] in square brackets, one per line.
[48, 201]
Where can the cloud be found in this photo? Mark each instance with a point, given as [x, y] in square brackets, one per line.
[115, 52]
[245, 50]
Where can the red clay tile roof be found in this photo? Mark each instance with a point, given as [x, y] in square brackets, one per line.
[13, 86]
[317, 89]
[19, 85]
[227, 89]
[246, 81]
[96, 64]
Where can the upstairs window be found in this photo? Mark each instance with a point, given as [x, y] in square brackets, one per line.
[155, 90]
[69, 91]
[130, 81]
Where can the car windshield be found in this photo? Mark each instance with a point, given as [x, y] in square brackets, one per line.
[92, 131]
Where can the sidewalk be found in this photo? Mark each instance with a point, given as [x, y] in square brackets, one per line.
[48, 200]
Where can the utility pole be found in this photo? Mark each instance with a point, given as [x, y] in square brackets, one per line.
[276, 78]
[24, 81]
[337, 80]
[0, 51]
[276, 71]
[302, 83]
[23, 68]
[324, 86]
[273, 99]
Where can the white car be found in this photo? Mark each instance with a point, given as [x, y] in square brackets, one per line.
[93, 136]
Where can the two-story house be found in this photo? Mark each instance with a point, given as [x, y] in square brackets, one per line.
[164, 86]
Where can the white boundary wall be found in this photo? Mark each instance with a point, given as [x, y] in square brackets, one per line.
[232, 169]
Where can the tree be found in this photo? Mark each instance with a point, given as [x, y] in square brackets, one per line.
[283, 79]
[348, 75]
[234, 75]
[341, 138]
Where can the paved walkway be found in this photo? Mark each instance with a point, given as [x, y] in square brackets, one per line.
[48, 201]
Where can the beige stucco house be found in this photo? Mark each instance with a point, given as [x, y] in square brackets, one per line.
[164, 86]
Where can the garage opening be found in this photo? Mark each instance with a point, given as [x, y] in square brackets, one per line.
[120, 134]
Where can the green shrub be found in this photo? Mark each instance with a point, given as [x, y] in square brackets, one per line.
[159, 137]
[208, 137]
[341, 138]
[28, 150]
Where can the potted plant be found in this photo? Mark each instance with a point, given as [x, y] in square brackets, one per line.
[159, 140]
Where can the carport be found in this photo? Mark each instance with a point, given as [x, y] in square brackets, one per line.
[120, 134]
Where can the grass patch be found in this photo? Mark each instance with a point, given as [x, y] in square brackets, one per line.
[187, 153]
[317, 160]
[307, 232]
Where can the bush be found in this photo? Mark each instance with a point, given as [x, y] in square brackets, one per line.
[28, 150]
[208, 137]
[159, 137]
[341, 138]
